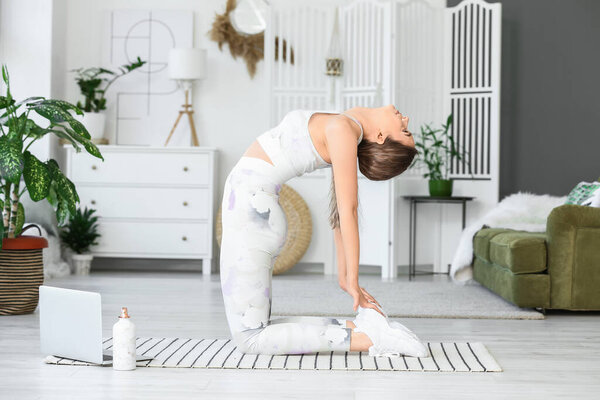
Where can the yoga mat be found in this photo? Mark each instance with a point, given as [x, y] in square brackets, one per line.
[223, 353]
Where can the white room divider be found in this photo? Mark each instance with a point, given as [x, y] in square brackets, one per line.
[472, 94]
[429, 61]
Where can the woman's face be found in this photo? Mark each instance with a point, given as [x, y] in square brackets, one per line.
[395, 125]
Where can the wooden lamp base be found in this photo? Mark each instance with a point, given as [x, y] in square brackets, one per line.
[186, 109]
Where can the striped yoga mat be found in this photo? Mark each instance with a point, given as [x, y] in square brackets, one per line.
[223, 353]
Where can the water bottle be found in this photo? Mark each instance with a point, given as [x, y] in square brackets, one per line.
[124, 343]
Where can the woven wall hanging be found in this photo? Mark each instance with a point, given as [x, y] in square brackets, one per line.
[249, 47]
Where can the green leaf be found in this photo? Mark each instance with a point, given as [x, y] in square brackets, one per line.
[79, 128]
[87, 144]
[62, 212]
[11, 159]
[52, 196]
[57, 115]
[90, 147]
[37, 133]
[51, 112]
[67, 137]
[37, 177]
[65, 105]
[5, 74]
[64, 187]
[5, 102]
[29, 100]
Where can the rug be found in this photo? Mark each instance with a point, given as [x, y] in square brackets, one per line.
[419, 299]
[223, 353]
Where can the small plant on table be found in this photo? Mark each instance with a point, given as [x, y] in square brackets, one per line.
[438, 150]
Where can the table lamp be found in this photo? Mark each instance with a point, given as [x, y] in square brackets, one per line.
[185, 66]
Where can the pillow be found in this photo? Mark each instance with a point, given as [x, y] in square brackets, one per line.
[585, 194]
[593, 201]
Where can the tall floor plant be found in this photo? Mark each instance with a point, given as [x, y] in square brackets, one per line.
[42, 179]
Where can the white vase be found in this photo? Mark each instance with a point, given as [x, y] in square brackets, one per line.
[82, 263]
[94, 122]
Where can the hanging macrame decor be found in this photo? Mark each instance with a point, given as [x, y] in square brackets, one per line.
[333, 61]
[249, 47]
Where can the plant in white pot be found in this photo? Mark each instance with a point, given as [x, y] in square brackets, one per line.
[438, 149]
[79, 234]
[21, 261]
[93, 83]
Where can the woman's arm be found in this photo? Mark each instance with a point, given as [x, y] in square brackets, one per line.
[343, 153]
[341, 257]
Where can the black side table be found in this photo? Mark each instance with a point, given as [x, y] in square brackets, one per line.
[413, 224]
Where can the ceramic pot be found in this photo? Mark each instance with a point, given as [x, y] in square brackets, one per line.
[440, 188]
[82, 263]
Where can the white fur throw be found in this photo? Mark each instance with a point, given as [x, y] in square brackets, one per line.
[520, 211]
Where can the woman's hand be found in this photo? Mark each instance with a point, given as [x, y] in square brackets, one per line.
[369, 297]
[360, 299]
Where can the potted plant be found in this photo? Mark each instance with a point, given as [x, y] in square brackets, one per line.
[21, 263]
[93, 83]
[79, 234]
[438, 149]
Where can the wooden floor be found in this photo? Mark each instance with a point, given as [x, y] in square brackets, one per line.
[554, 358]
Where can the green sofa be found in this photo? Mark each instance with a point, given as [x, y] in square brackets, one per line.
[558, 269]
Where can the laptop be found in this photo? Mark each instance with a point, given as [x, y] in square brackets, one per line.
[71, 325]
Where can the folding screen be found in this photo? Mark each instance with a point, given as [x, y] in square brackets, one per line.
[426, 59]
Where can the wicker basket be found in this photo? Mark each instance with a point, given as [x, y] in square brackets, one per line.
[299, 229]
[21, 274]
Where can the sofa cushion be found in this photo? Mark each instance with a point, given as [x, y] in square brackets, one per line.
[521, 252]
[481, 242]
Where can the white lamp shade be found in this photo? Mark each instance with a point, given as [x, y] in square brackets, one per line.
[187, 63]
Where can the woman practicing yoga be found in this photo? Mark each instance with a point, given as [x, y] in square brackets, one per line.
[255, 227]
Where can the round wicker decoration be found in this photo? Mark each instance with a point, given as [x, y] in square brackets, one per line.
[299, 229]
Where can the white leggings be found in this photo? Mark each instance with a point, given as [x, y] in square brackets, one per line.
[254, 232]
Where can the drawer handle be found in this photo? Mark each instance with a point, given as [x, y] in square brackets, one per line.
[185, 169]
[93, 201]
[94, 167]
[184, 238]
[185, 203]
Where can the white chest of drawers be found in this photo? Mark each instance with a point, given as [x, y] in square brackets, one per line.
[152, 202]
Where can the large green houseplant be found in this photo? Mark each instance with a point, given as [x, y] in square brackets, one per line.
[20, 172]
[438, 148]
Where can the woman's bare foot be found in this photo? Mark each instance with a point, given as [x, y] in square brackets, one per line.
[359, 341]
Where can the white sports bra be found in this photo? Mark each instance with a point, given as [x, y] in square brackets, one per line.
[290, 147]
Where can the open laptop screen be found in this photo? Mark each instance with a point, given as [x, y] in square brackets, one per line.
[71, 323]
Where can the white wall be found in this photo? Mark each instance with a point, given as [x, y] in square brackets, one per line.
[26, 49]
[231, 109]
